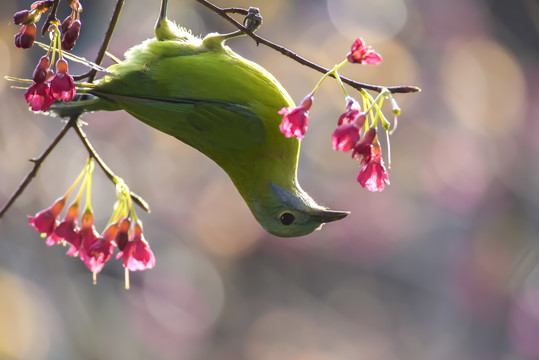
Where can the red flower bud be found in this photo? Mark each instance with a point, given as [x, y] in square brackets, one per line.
[42, 6]
[71, 35]
[75, 5]
[21, 17]
[26, 36]
[66, 24]
[41, 70]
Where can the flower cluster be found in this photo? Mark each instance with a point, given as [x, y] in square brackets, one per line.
[356, 128]
[123, 230]
[48, 86]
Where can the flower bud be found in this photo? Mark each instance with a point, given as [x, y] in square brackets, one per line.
[42, 6]
[75, 5]
[26, 36]
[71, 35]
[21, 17]
[66, 24]
[41, 70]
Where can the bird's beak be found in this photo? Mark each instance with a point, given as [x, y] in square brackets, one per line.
[326, 216]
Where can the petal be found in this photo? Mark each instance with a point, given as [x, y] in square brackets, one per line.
[345, 137]
[372, 58]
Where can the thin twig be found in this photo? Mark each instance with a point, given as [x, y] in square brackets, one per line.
[260, 40]
[106, 41]
[73, 121]
[91, 76]
[50, 18]
[108, 172]
[37, 164]
[234, 10]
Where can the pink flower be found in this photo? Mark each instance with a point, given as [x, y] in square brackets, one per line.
[88, 234]
[100, 251]
[353, 109]
[345, 137]
[295, 120]
[26, 36]
[363, 54]
[39, 96]
[363, 148]
[62, 85]
[373, 174]
[46, 220]
[123, 233]
[41, 70]
[68, 230]
[347, 133]
[137, 254]
[71, 35]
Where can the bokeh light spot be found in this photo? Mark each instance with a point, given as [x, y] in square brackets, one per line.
[483, 84]
[374, 20]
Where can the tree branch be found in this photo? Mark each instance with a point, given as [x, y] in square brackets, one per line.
[288, 53]
[108, 172]
[50, 18]
[105, 44]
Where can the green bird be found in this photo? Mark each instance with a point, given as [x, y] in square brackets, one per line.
[207, 96]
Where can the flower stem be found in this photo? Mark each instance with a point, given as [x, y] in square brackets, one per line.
[75, 183]
[53, 42]
[127, 287]
[388, 150]
[90, 169]
[332, 72]
[299, 59]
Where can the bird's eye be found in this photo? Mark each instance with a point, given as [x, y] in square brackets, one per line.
[287, 218]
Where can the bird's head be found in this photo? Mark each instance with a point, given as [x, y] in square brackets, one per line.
[290, 213]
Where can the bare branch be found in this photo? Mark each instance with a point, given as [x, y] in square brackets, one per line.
[288, 53]
[105, 44]
[50, 18]
[108, 172]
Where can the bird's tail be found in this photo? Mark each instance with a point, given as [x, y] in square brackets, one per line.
[78, 107]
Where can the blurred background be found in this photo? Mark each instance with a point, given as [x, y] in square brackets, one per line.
[441, 265]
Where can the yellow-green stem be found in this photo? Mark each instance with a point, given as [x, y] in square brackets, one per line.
[377, 104]
[54, 38]
[90, 166]
[340, 83]
[388, 150]
[81, 190]
[330, 72]
[57, 33]
[75, 183]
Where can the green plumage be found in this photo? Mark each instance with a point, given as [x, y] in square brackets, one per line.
[209, 97]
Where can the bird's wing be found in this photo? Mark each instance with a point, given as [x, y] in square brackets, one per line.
[207, 125]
